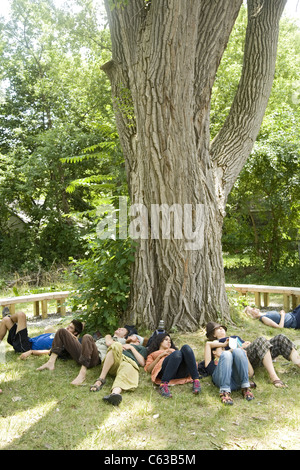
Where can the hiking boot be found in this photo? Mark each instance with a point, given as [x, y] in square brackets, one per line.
[164, 390]
[196, 386]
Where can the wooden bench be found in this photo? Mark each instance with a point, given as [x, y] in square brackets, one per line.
[291, 295]
[60, 297]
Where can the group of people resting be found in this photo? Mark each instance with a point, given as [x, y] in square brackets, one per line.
[229, 360]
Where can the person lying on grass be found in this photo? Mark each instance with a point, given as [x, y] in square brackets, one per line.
[169, 366]
[86, 353]
[229, 369]
[261, 351]
[122, 362]
[16, 326]
[276, 319]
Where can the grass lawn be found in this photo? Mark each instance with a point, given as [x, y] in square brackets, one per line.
[41, 409]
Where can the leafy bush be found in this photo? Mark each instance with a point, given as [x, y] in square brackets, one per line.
[103, 283]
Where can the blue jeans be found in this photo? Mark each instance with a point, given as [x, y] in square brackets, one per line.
[179, 364]
[231, 372]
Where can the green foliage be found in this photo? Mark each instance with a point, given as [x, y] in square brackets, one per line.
[102, 283]
[263, 209]
[52, 100]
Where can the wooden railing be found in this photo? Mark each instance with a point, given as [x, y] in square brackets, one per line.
[37, 299]
[291, 295]
[291, 298]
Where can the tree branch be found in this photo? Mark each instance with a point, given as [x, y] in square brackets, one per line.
[232, 146]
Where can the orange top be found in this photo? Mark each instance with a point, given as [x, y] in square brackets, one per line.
[156, 369]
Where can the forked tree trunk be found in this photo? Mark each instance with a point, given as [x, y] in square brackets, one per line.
[165, 58]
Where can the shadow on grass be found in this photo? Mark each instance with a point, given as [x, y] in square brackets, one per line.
[41, 410]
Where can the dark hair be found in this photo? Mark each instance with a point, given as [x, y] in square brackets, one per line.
[78, 326]
[131, 330]
[157, 340]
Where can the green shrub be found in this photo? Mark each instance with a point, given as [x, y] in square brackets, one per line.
[102, 283]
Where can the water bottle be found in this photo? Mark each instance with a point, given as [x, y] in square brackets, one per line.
[161, 326]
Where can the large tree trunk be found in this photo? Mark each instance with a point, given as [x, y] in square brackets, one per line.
[165, 58]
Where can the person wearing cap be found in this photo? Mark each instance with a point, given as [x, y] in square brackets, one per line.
[122, 361]
[229, 369]
[260, 351]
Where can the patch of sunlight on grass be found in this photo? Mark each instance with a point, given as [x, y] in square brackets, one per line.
[125, 427]
[283, 438]
[14, 426]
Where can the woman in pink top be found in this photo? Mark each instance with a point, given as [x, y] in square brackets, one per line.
[169, 365]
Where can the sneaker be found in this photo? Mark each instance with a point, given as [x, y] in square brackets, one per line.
[5, 312]
[164, 390]
[196, 386]
[247, 394]
[114, 399]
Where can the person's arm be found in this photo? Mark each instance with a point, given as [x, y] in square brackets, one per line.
[34, 352]
[209, 345]
[152, 364]
[267, 321]
[207, 354]
[137, 355]
[108, 340]
[250, 368]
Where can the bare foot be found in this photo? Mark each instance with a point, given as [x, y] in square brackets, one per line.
[79, 379]
[48, 365]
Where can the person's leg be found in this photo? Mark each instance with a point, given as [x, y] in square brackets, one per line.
[5, 325]
[170, 366]
[190, 361]
[89, 358]
[269, 366]
[20, 319]
[126, 378]
[295, 357]
[190, 365]
[16, 325]
[259, 353]
[281, 346]
[63, 340]
[111, 363]
[222, 377]
[223, 372]
[169, 371]
[240, 376]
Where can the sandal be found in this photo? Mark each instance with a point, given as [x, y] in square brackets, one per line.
[95, 387]
[252, 384]
[279, 384]
[247, 394]
[226, 398]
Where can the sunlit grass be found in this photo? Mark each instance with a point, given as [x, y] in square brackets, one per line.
[50, 413]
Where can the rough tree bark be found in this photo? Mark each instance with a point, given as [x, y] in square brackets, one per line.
[165, 55]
